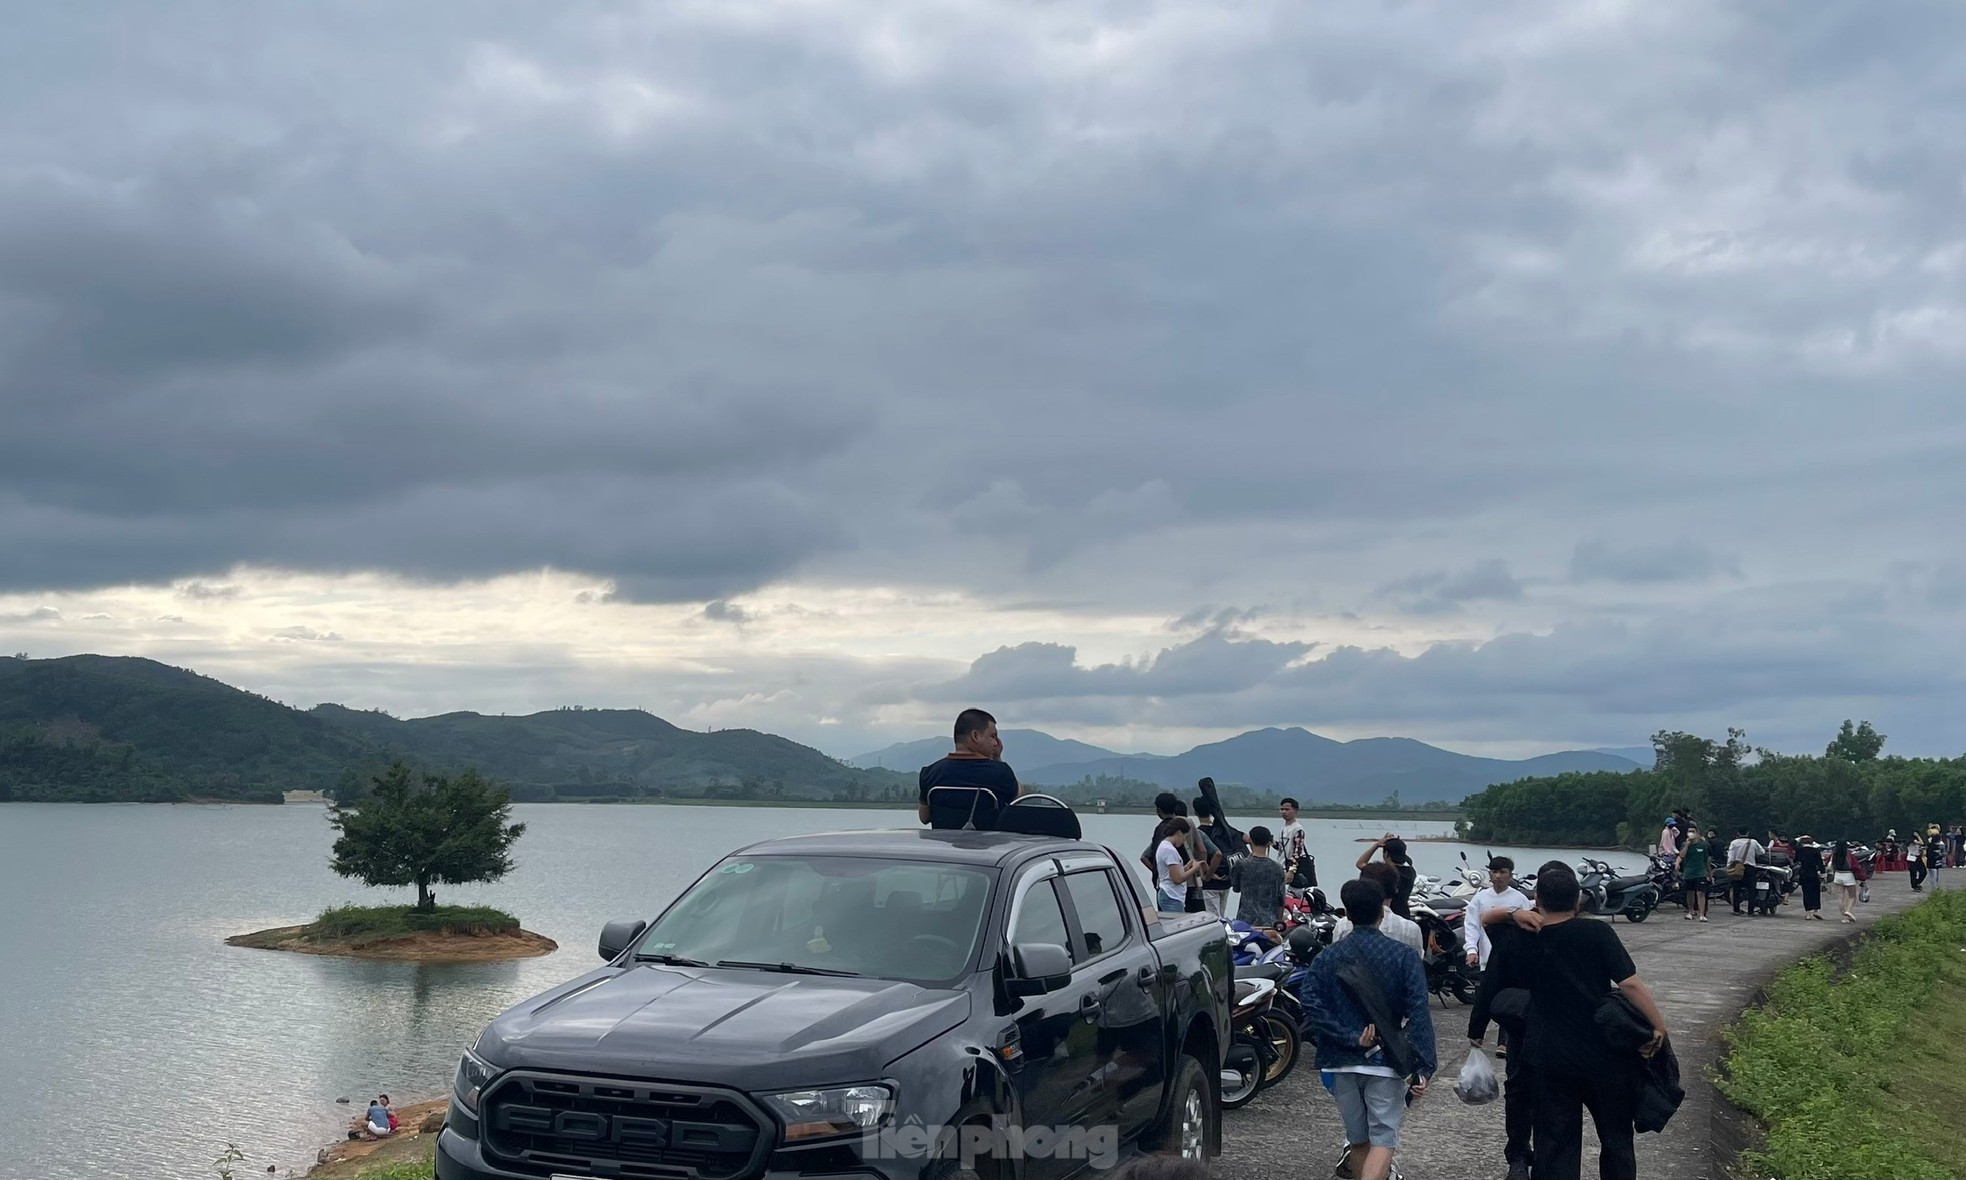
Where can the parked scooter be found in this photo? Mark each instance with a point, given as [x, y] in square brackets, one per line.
[1448, 972]
[1264, 1043]
[1606, 892]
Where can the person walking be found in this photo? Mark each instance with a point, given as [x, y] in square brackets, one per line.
[1742, 857]
[1227, 846]
[1292, 849]
[1575, 962]
[1258, 882]
[1843, 870]
[1401, 930]
[1915, 862]
[1809, 874]
[1366, 1001]
[1935, 855]
[1503, 974]
[1392, 850]
[1499, 893]
[1173, 871]
[1695, 868]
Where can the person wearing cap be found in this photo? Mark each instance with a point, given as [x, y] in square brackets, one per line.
[1669, 837]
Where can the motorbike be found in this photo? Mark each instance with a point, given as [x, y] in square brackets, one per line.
[1773, 882]
[1606, 892]
[1672, 888]
[1448, 973]
[1264, 1043]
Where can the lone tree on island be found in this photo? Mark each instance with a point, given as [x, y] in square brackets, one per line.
[420, 829]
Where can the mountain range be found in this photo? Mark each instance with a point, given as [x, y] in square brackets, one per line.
[115, 727]
[109, 727]
[1290, 761]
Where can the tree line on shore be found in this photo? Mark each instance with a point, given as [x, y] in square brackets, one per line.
[1849, 791]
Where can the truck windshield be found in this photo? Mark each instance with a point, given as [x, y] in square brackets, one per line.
[889, 919]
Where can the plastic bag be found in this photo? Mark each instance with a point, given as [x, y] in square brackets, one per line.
[1477, 1083]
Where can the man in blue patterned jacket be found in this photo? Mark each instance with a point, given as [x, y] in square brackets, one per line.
[1371, 1093]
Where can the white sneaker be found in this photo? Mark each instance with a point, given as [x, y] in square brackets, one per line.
[1703, 917]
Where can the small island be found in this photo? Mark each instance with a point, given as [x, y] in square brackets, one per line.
[443, 934]
[419, 829]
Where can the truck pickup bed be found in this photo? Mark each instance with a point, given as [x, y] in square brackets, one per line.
[908, 1004]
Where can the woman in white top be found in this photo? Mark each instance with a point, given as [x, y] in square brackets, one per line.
[1172, 869]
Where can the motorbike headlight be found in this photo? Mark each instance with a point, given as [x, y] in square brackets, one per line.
[823, 1114]
[473, 1075]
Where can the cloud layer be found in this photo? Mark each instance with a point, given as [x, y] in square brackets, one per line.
[1504, 374]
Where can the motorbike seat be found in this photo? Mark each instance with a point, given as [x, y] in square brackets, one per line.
[1273, 972]
[1629, 882]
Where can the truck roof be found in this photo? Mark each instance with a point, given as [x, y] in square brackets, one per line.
[953, 847]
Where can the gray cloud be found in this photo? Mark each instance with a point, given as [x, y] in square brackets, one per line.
[303, 634]
[1444, 591]
[1681, 560]
[1123, 308]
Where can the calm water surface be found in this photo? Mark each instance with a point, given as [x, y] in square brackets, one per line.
[135, 1044]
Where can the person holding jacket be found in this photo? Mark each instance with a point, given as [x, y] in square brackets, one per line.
[1373, 1068]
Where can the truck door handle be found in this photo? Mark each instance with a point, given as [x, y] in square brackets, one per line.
[1147, 974]
[1089, 1006]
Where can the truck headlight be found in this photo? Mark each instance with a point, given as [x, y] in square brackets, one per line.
[822, 1114]
[473, 1075]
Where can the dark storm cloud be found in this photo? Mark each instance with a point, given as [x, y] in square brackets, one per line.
[1411, 307]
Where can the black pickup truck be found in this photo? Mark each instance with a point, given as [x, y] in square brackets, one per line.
[901, 1005]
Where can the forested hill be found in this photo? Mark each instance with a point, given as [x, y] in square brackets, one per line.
[102, 728]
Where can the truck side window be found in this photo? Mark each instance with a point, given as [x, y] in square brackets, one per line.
[1099, 911]
[1040, 919]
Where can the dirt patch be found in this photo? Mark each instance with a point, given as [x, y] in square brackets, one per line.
[421, 947]
[351, 1157]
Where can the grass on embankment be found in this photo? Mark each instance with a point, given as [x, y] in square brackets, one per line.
[1856, 1074]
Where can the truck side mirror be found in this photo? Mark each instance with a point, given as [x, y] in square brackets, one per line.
[1041, 967]
[617, 935]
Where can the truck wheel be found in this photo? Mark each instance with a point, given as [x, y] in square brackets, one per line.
[1192, 1127]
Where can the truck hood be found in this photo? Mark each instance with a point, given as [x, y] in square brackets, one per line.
[754, 1030]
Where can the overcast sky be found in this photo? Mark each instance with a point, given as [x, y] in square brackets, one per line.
[1510, 376]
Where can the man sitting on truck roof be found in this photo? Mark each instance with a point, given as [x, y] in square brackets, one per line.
[977, 761]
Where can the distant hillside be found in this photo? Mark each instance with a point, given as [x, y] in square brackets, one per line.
[108, 727]
[1021, 747]
[1320, 769]
[98, 728]
[614, 752]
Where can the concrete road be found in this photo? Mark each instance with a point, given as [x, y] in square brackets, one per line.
[1703, 975]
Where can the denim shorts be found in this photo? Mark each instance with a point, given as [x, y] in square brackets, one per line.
[1370, 1106]
[1165, 906]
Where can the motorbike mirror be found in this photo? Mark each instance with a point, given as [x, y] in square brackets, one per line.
[1041, 968]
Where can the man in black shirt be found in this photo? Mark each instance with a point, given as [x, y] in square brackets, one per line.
[1576, 962]
[977, 761]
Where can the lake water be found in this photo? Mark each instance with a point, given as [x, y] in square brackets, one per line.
[134, 1043]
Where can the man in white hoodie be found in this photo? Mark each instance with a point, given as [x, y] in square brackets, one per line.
[1499, 894]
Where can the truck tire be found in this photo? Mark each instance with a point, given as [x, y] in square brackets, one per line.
[1192, 1126]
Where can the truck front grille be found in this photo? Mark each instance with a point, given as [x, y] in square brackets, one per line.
[623, 1130]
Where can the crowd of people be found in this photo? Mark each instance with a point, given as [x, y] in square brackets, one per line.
[1705, 862]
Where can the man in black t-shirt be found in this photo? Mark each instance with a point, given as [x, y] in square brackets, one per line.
[1574, 964]
[977, 761]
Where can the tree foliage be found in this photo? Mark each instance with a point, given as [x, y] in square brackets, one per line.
[425, 829]
[1859, 744]
[1728, 785]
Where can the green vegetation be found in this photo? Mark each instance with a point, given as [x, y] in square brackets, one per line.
[369, 923]
[106, 729]
[1850, 792]
[424, 829]
[1855, 1073]
[400, 1170]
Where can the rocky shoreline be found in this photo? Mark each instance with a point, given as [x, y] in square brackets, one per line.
[413, 1140]
[420, 947]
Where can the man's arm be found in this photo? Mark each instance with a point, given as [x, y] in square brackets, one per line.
[1471, 923]
[1636, 991]
[1365, 858]
[1419, 1015]
[921, 810]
